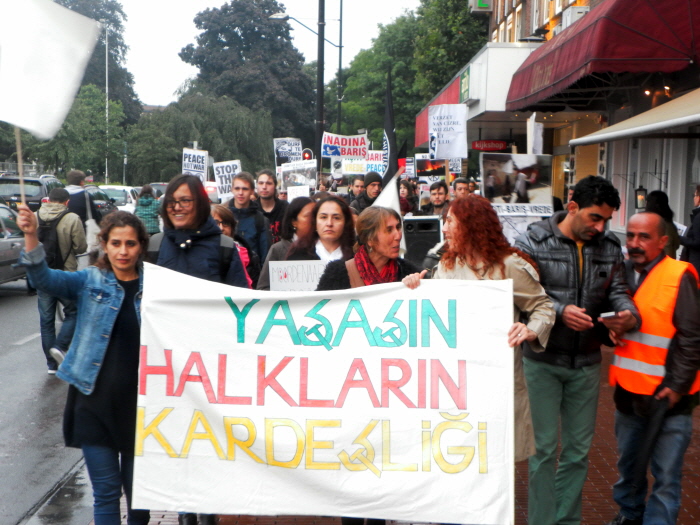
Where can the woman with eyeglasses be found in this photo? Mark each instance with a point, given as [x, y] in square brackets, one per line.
[224, 218]
[192, 242]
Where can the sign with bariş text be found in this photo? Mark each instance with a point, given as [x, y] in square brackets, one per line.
[223, 175]
[194, 162]
[345, 403]
[345, 146]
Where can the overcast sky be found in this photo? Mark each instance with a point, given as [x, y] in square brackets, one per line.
[156, 31]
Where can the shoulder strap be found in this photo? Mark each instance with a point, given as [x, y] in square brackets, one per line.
[88, 205]
[354, 274]
[226, 247]
[154, 248]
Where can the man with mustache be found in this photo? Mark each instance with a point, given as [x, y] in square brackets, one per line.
[581, 271]
[657, 362]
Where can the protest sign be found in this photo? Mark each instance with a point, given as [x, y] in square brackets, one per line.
[430, 170]
[375, 161]
[345, 146]
[302, 173]
[297, 191]
[287, 150]
[354, 167]
[194, 162]
[448, 131]
[517, 184]
[223, 175]
[295, 276]
[347, 403]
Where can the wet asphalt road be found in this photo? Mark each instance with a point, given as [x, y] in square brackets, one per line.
[33, 460]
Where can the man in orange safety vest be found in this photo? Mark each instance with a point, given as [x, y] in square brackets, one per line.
[659, 361]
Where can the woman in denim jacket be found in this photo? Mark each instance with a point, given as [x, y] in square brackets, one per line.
[101, 365]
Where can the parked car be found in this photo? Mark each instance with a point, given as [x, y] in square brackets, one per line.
[11, 244]
[158, 188]
[124, 196]
[35, 189]
[103, 202]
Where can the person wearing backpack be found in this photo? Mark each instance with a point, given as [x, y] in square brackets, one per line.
[62, 234]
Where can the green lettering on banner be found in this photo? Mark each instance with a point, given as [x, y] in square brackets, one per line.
[320, 339]
[287, 322]
[413, 323]
[428, 313]
[354, 305]
[380, 336]
[240, 317]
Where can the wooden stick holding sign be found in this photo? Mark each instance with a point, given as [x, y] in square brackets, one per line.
[20, 163]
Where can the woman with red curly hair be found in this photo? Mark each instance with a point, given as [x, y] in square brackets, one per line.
[477, 249]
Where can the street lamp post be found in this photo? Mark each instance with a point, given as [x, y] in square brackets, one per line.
[340, 68]
[103, 21]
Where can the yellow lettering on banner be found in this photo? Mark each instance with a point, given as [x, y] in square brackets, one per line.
[386, 452]
[483, 456]
[270, 425]
[467, 453]
[426, 446]
[231, 440]
[312, 444]
[208, 434]
[142, 431]
[364, 455]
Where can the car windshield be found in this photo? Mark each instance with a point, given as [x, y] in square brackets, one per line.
[10, 222]
[118, 195]
[10, 188]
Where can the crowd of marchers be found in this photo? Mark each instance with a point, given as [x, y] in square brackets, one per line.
[576, 288]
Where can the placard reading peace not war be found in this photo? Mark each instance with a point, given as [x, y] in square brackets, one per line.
[379, 402]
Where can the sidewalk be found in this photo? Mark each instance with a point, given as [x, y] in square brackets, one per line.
[70, 505]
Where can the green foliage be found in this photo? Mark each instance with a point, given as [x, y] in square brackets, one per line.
[448, 36]
[223, 127]
[81, 143]
[121, 82]
[244, 55]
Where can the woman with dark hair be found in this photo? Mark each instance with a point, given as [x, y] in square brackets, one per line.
[100, 413]
[331, 236]
[406, 192]
[226, 221]
[657, 202]
[192, 242]
[296, 223]
[147, 209]
[476, 249]
[376, 259]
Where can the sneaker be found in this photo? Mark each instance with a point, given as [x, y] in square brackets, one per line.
[52, 371]
[58, 355]
[621, 520]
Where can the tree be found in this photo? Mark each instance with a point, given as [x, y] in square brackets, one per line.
[447, 37]
[81, 142]
[223, 127]
[244, 55]
[121, 82]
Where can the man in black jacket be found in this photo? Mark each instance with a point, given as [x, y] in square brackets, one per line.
[272, 208]
[581, 269]
[373, 187]
[691, 240]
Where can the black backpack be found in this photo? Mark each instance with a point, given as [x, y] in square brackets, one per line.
[48, 236]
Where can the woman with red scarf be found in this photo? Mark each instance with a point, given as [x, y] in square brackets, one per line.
[376, 258]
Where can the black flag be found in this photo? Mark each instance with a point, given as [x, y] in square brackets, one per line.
[390, 155]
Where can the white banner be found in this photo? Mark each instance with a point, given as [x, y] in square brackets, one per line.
[345, 146]
[194, 162]
[297, 191]
[223, 175]
[379, 402]
[295, 276]
[447, 124]
[287, 150]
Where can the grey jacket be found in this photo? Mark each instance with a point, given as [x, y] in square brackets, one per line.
[70, 232]
[602, 289]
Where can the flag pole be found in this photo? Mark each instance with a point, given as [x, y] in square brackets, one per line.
[20, 163]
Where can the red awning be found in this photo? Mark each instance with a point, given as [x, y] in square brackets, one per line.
[635, 36]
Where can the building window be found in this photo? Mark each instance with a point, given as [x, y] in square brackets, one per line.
[510, 36]
[518, 23]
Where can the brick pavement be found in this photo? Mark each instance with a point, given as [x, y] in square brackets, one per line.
[598, 505]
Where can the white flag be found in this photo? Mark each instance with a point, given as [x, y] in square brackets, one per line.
[389, 198]
[44, 49]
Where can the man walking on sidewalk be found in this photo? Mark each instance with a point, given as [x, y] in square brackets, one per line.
[581, 271]
[658, 362]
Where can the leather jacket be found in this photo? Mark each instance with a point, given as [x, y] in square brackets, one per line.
[602, 289]
[99, 298]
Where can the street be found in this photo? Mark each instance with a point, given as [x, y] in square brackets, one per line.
[33, 459]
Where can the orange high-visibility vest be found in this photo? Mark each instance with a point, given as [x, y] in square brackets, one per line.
[640, 365]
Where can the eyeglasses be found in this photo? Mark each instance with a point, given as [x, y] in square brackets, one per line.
[185, 204]
[219, 223]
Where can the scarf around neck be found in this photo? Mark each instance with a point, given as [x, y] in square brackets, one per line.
[369, 273]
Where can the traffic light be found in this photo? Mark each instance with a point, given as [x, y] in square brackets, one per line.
[307, 154]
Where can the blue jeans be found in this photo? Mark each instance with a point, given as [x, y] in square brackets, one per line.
[47, 323]
[108, 477]
[666, 465]
[561, 400]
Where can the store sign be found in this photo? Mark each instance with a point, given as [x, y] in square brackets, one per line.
[489, 145]
[481, 6]
[464, 85]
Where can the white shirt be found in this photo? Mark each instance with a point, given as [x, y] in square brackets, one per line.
[327, 256]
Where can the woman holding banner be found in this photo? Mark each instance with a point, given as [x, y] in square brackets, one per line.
[331, 238]
[376, 259]
[100, 413]
[296, 223]
[477, 249]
